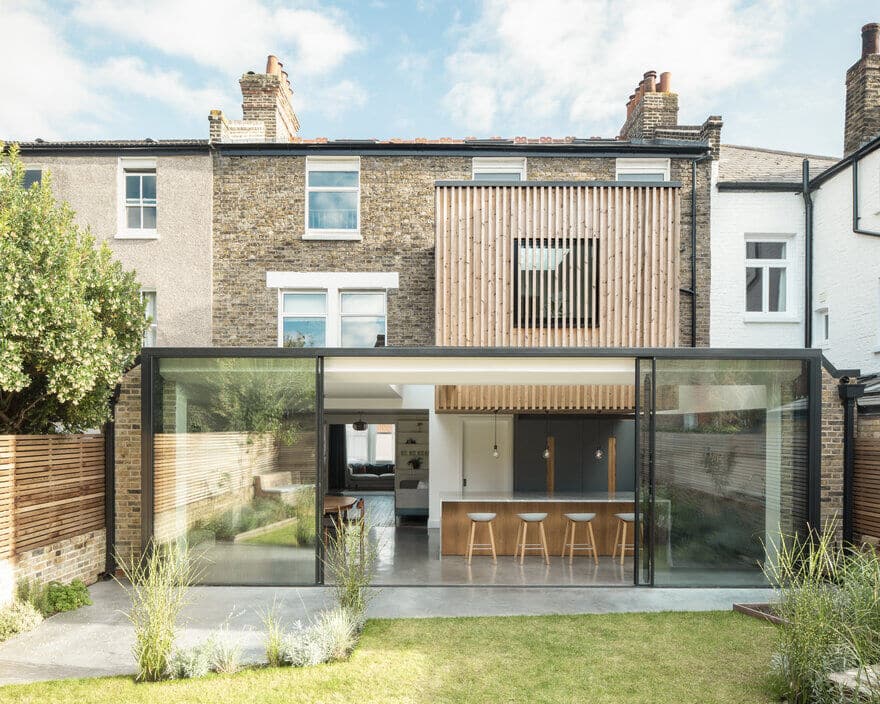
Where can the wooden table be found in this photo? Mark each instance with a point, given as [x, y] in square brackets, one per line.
[338, 504]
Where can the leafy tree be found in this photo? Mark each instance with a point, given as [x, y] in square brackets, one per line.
[71, 318]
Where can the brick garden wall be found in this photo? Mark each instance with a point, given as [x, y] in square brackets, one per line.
[128, 466]
[831, 483]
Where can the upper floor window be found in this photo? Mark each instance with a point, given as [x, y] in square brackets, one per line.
[304, 319]
[138, 214]
[148, 298]
[32, 176]
[362, 318]
[332, 198]
[332, 318]
[639, 169]
[499, 169]
[554, 282]
[767, 277]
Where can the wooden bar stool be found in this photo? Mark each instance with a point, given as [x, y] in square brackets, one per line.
[522, 536]
[486, 518]
[623, 521]
[572, 519]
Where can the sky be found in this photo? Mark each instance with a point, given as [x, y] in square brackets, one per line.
[106, 69]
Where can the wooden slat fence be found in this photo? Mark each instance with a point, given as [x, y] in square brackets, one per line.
[51, 488]
[866, 488]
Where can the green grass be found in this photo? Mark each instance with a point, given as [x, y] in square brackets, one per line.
[286, 535]
[662, 658]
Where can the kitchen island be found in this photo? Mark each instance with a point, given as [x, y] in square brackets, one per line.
[455, 524]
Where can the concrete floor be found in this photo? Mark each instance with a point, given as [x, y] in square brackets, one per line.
[96, 640]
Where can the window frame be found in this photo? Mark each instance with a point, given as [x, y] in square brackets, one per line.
[634, 166]
[342, 316]
[822, 325]
[591, 319]
[154, 324]
[282, 315]
[789, 315]
[31, 167]
[499, 165]
[332, 163]
[134, 164]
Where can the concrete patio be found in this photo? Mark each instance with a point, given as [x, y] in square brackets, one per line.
[96, 640]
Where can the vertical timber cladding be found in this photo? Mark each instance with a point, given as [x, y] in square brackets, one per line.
[629, 292]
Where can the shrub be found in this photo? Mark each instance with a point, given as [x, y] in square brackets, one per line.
[303, 646]
[338, 632]
[350, 560]
[35, 593]
[274, 637]
[191, 662]
[159, 583]
[54, 597]
[225, 653]
[18, 617]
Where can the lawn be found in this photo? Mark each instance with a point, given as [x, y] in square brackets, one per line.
[659, 658]
[285, 535]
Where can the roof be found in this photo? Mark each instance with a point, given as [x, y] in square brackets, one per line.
[111, 145]
[754, 165]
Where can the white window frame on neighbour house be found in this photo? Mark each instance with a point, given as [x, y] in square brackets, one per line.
[642, 169]
[132, 166]
[151, 334]
[822, 327]
[334, 285]
[498, 168]
[325, 164]
[30, 170]
[765, 315]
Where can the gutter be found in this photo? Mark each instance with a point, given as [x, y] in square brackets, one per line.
[808, 254]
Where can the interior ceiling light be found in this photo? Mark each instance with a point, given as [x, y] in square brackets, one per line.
[360, 423]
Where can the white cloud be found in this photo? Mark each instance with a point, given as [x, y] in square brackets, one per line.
[334, 100]
[523, 63]
[232, 35]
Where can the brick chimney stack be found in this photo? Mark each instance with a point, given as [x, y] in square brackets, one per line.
[652, 105]
[862, 121]
[266, 106]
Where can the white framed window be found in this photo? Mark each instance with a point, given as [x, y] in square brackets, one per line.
[137, 197]
[303, 319]
[642, 169]
[362, 318]
[151, 334]
[372, 446]
[822, 327]
[333, 198]
[32, 175]
[768, 283]
[499, 169]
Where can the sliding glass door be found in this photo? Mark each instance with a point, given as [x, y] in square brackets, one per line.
[723, 467]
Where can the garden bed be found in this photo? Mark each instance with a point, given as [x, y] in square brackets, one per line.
[263, 530]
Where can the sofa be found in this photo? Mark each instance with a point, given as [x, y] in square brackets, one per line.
[364, 476]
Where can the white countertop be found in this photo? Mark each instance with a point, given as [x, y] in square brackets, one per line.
[596, 497]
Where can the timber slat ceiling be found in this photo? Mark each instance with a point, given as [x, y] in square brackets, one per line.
[613, 251]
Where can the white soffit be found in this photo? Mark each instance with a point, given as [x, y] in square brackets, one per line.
[470, 371]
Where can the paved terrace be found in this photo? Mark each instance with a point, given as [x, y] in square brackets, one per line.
[96, 640]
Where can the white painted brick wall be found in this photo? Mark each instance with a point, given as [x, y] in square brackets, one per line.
[846, 267]
[734, 215]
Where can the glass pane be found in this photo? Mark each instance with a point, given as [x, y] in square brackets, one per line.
[363, 303]
[645, 434]
[133, 218]
[497, 176]
[304, 332]
[641, 177]
[305, 303]
[329, 179]
[754, 289]
[235, 458]
[132, 186]
[362, 331]
[547, 287]
[331, 210]
[150, 217]
[150, 336]
[148, 186]
[149, 299]
[765, 250]
[730, 467]
[32, 176]
[777, 288]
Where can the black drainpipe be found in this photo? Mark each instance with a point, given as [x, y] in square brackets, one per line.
[855, 205]
[848, 394]
[110, 485]
[808, 254]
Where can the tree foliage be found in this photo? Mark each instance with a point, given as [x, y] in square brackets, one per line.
[71, 318]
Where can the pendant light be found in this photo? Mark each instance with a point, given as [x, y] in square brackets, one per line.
[546, 453]
[495, 452]
[360, 424]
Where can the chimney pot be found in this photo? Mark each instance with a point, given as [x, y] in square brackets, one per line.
[665, 80]
[272, 65]
[870, 39]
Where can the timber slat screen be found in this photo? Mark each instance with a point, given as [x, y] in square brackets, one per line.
[51, 488]
[866, 488]
[555, 266]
